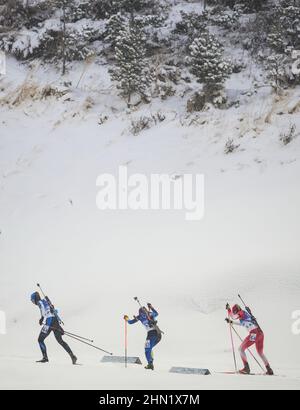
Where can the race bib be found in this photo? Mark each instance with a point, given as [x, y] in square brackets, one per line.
[253, 337]
[147, 344]
[45, 329]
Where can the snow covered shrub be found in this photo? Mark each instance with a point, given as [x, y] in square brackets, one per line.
[277, 28]
[76, 10]
[285, 27]
[277, 71]
[71, 45]
[145, 123]
[196, 103]
[231, 147]
[119, 22]
[52, 45]
[132, 72]
[49, 91]
[238, 66]
[219, 99]
[248, 6]
[106, 8]
[287, 137]
[165, 77]
[208, 65]
[191, 24]
[166, 91]
[251, 6]
[13, 14]
[226, 19]
[21, 44]
[169, 72]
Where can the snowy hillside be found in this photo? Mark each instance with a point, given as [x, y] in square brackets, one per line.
[59, 133]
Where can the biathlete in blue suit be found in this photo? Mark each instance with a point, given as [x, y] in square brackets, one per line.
[50, 323]
[154, 335]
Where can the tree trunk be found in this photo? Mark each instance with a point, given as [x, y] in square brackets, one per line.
[64, 40]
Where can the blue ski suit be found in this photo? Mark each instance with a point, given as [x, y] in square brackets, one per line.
[153, 334]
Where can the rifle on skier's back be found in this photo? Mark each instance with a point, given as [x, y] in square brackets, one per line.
[250, 313]
[151, 320]
[52, 307]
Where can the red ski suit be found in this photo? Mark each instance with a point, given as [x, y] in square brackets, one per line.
[256, 335]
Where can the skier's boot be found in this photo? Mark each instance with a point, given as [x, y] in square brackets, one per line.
[269, 371]
[245, 370]
[44, 360]
[149, 366]
[74, 359]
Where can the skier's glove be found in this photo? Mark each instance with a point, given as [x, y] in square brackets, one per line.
[126, 318]
[149, 306]
[229, 321]
[41, 321]
[228, 306]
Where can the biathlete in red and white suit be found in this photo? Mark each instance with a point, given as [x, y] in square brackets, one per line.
[256, 336]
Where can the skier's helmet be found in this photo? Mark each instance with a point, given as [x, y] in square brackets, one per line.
[35, 298]
[236, 309]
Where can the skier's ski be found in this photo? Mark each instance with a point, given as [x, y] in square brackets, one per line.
[251, 374]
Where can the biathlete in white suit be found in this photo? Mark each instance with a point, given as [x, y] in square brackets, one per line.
[256, 336]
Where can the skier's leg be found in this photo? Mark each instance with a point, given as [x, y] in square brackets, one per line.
[245, 345]
[260, 348]
[157, 340]
[152, 340]
[58, 336]
[45, 332]
[148, 351]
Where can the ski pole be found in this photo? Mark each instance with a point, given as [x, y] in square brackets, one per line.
[88, 344]
[126, 344]
[51, 304]
[250, 312]
[65, 332]
[79, 337]
[232, 344]
[247, 349]
[146, 311]
[138, 301]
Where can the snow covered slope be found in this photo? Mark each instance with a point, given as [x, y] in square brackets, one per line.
[92, 263]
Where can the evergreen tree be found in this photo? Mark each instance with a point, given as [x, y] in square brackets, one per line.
[207, 63]
[248, 5]
[277, 65]
[71, 43]
[285, 27]
[115, 25]
[107, 8]
[132, 72]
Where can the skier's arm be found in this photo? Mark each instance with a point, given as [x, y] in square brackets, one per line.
[233, 322]
[154, 312]
[131, 322]
[43, 313]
